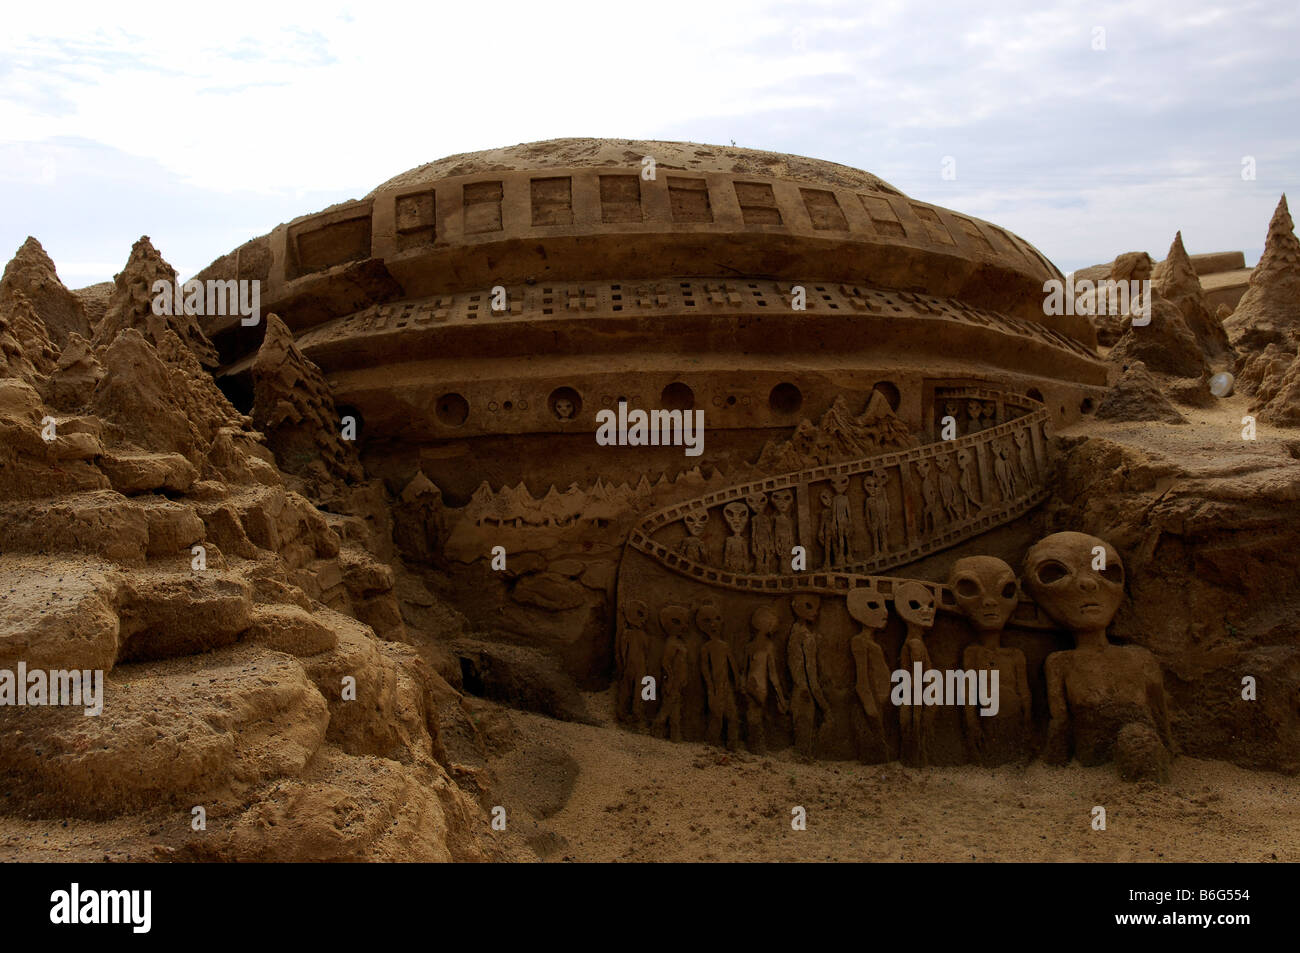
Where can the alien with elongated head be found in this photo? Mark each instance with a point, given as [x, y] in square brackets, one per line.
[675, 621]
[632, 651]
[915, 605]
[876, 740]
[806, 694]
[986, 592]
[1106, 701]
[761, 672]
[721, 676]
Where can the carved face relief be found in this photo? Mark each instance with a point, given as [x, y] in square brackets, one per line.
[986, 591]
[990, 410]
[841, 484]
[923, 468]
[782, 499]
[914, 603]
[695, 521]
[757, 502]
[963, 458]
[675, 620]
[867, 606]
[1060, 578]
[942, 462]
[805, 606]
[763, 621]
[950, 409]
[737, 516]
[825, 497]
[709, 618]
[634, 613]
[974, 410]
[564, 409]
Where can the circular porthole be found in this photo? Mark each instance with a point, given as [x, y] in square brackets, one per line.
[785, 398]
[889, 391]
[565, 403]
[677, 396]
[452, 410]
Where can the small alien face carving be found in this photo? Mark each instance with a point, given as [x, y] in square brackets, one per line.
[1022, 438]
[942, 461]
[950, 409]
[695, 521]
[1060, 578]
[564, 408]
[763, 621]
[1002, 451]
[825, 497]
[963, 458]
[709, 619]
[974, 410]
[737, 516]
[923, 468]
[674, 620]
[841, 484]
[986, 591]
[634, 613]
[914, 603]
[757, 502]
[782, 499]
[990, 409]
[805, 606]
[867, 606]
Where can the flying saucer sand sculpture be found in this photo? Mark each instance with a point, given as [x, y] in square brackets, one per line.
[877, 375]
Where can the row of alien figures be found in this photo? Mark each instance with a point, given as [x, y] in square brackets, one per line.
[758, 535]
[1106, 701]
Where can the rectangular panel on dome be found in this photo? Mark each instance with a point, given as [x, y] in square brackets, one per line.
[757, 203]
[620, 198]
[934, 225]
[824, 210]
[973, 232]
[689, 199]
[414, 217]
[883, 217]
[552, 201]
[482, 207]
[322, 248]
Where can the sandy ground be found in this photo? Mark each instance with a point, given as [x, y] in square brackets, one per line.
[600, 793]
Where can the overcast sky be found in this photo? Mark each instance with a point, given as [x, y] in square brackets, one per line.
[203, 126]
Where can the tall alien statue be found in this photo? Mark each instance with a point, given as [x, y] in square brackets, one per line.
[761, 673]
[986, 592]
[915, 605]
[1106, 701]
[806, 694]
[876, 737]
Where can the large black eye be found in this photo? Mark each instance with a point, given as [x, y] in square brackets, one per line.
[967, 587]
[1113, 572]
[913, 604]
[1009, 591]
[873, 605]
[1051, 572]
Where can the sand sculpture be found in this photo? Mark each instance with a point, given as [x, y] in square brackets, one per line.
[880, 384]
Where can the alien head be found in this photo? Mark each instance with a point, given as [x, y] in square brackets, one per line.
[634, 613]
[763, 621]
[757, 502]
[805, 606]
[840, 483]
[782, 499]
[923, 468]
[675, 620]
[867, 606]
[914, 603]
[709, 618]
[986, 591]
[1060, 577]
[564, 408]
[825, 497]
[695, 521]
[736, 514]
